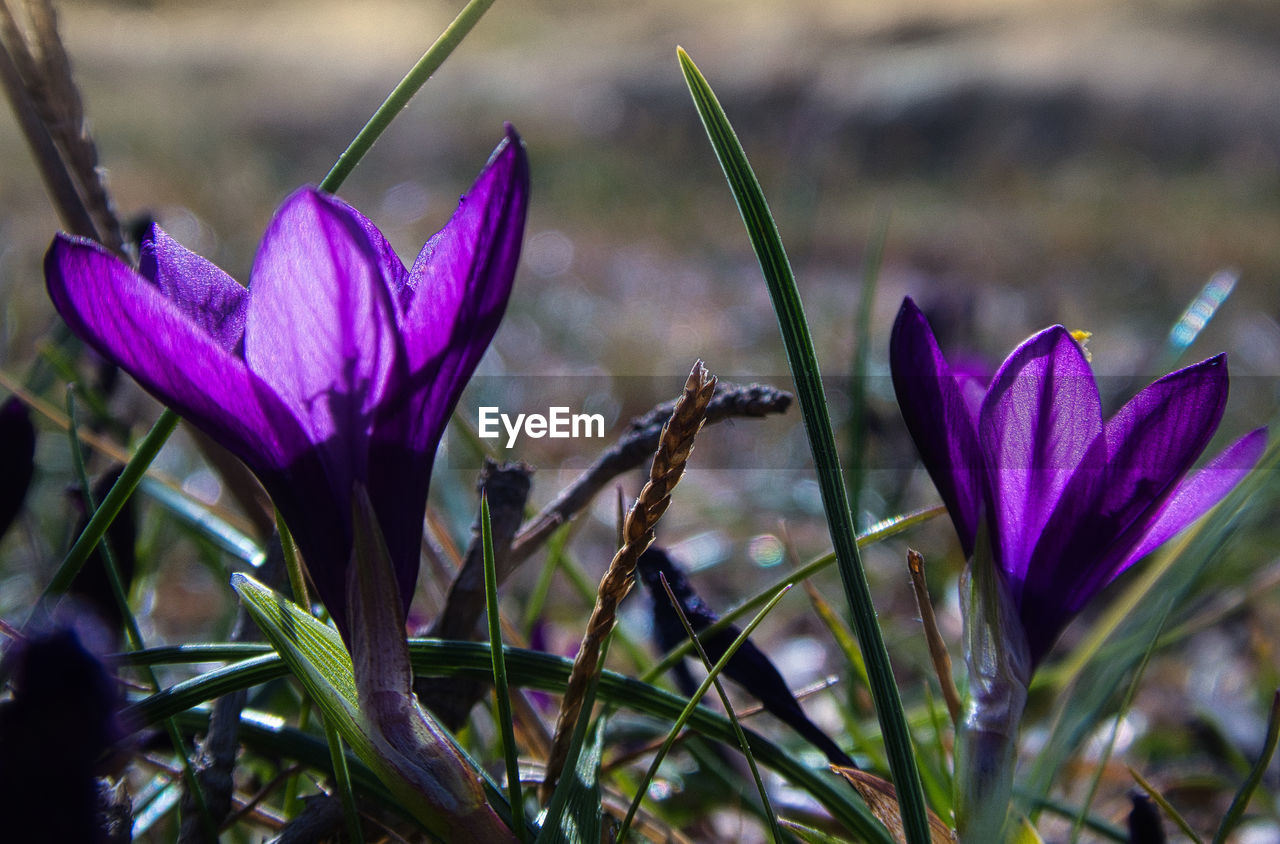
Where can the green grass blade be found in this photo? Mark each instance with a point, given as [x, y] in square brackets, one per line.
[342, 776]
[404, 91]
[525, 668]
[690, 706]
[110, 506]
[205, 522]
[862, 367]
[133, 633]
[878, 533]
[575, 812]
[1250, 784]
[1168, 808]
[769, 814]
[803, 362]
[500, 688]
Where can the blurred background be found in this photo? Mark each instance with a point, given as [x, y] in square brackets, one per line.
[1028, 162]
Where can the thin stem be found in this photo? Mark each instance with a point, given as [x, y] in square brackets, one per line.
[803, 362]
[402, 93]
[501, 689]
[111, 506]
[728, 708]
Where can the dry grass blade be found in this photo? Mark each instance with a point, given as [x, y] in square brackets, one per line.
[674, 447]
[937, 645]
[882, 798]
[47, 87]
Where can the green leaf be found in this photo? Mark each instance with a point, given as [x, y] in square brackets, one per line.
[531, 669]
[575, 813]
[110, 507]
[803, 362]
[1241, 801]
[316, 657]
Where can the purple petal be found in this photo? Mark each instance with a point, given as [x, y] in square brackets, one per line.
[130, 322]
[1040, 415]
[462, 278]
[459, 288]
[208, 296]
[1197, 494]
[1149, 445]
[938, 417]
[321, 328]
[393, 271]
[1119, 494]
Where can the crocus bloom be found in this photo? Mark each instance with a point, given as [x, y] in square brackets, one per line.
[335, 367]
[1068, 501]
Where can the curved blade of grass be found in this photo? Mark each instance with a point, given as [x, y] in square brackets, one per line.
[1250, 784]
[692, 704]
[342, 775]
[1168, 808]
[404, 91]
[525, 668]
[221, 533]
[110, 506]
[810, 835]
[1100, 768]
[770, 815]
[803, 362]
[500, 688]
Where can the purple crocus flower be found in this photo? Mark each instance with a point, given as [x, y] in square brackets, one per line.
[1067, 501]
[335, 367]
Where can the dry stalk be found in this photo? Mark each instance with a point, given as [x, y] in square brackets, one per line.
[937, 644]
[674, 447]
[38, 79]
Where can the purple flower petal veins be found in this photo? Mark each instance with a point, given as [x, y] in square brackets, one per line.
[1069, 501]
[335, 366]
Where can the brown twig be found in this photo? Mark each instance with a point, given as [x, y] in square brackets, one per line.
[506, 487]
[631, 450]
[674, 446]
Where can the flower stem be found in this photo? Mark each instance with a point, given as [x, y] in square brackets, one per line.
[998, 659]
[402, 93]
